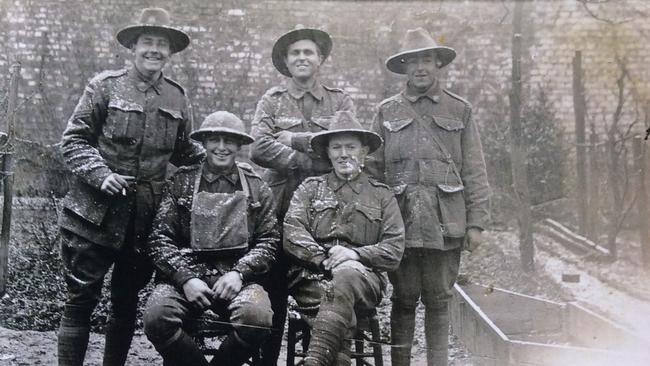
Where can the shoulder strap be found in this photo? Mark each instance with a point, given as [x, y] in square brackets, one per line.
[435, 138]
[244, 182]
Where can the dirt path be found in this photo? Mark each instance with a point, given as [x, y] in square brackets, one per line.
[614, 303]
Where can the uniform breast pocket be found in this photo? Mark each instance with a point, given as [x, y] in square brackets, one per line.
[450, 131]
[121, 121]
[287, 123]
[367, 220]
[400, 140]
[323, 217]
[171, 119]
[322, 122]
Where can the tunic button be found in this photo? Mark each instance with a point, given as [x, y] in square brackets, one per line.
[443, 229]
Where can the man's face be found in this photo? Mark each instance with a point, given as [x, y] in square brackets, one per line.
[221, 151]
[422, 70]
[151, 50]
[303, 59]
[347, 154]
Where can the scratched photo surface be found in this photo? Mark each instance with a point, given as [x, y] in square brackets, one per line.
[559, 91]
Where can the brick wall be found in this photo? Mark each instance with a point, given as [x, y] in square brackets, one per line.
[63, 43]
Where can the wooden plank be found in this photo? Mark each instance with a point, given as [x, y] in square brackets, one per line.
[532, 316]
[487, 344]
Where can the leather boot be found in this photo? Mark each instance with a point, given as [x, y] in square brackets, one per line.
[232, 352]
[183, 352]
[119, 334]
[402, 326]
[436, 329]
[74, 332]
[327, 338]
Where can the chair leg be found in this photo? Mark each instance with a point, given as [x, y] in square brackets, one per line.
[358, 347]
[376, 347]
[291, 343]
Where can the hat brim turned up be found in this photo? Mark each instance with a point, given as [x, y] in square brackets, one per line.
[321, 38]
[397, 62]
[178, 40]
[320, 140]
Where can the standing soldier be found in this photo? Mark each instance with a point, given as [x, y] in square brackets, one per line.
[285, 119]
[128, 125]
[214, 239]
[433, 160]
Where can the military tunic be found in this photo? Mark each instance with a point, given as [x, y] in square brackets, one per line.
[361, 215]
[301, 112]
[414, 166]
[123, 124]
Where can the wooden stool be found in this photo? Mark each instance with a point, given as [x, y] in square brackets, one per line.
[299, 334]
[211, 325]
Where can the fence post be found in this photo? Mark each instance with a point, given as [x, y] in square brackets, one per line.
[642, 199]
[594, 180]
[579, 107]
[7, 149]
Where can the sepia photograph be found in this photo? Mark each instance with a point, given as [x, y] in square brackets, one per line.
[325, 182]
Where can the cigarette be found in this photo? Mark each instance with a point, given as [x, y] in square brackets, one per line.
[123, 191]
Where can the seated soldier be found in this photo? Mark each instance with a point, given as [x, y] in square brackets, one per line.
[342, 231]
[214, 237]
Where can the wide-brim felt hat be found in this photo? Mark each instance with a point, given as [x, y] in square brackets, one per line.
[222, 122]
[154, 20]
[344, 122]
[321, 38]
[416, 41]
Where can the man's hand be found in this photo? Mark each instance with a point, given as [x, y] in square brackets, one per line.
[116, 183]
[284, 137]
[337, 255]
[198, 293]
[473, 238]
[228, 286]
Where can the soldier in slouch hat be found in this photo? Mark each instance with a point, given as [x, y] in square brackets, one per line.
[433, 160]
[127, 126]
[342, 232]
[286, 118]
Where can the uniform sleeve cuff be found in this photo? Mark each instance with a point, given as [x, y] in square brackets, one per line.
[317, 261]
[363, 258]
[98, 176]
[182, 276]
[244, 272]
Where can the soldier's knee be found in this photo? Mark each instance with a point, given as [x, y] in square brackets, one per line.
[256, 315]
[161, 323]
[404, 303]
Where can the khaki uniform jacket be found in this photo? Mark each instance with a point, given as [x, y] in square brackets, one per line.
[362, 215]
[280, 110]
[413, 165]
[122, 124]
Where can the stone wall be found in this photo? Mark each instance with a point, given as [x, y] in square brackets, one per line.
[63, 43]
